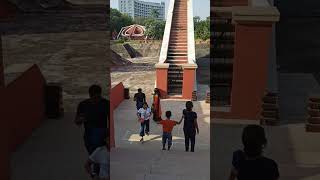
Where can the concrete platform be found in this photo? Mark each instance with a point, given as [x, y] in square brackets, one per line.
[133, 160]
[55, 151]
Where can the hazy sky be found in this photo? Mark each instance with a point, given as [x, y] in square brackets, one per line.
[200, 7]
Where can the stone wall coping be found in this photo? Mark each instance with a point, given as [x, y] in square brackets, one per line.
[190, 66]
[259, 14]
[162, 66]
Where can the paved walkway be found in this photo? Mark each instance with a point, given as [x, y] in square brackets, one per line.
[54, 152]
[136, 161]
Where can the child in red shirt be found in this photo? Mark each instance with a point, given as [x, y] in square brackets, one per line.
[167, 126]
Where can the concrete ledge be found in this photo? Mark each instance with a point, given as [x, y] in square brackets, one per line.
[259, 14]
[190, 66]
[162, 66]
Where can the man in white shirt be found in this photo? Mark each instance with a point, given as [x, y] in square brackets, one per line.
[144, 115]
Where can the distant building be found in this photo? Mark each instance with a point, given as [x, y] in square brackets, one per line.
[137, 8]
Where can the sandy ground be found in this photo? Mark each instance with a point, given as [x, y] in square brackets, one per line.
[76, 60]
[140, 74]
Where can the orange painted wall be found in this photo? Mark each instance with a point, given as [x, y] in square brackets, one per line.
[162, 82]
[188, 83]
[116, 97]
[227, 3]
[252, 44]
[24, 105]
[22, 109]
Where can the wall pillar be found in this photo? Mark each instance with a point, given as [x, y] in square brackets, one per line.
[162, 78]
[188, 86]
[253, 33]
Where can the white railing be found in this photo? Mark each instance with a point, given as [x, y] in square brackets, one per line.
[166, 35]
[191, 42]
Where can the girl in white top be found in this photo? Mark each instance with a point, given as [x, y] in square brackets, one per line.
[144, 115]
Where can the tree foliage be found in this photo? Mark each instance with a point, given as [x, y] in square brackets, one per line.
[119, 20]
[202, 28]
[155, 28]
[155, 14]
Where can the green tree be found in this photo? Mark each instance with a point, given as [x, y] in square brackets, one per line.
[196, 19]
[155, 14]
[141, 20]
[119, 20]
[155, 28]
[202, 28]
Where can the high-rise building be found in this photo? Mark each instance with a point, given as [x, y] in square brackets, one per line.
[137, 8]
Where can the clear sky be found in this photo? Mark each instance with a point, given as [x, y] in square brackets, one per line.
[200, 7]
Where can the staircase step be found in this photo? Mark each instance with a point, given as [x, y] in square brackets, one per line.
[177, 43]
[171, 86]
[175, 74]
[177, 51]
[314, 120]
[177, 57]
[312, 127]
[177, 40]
[177, 54]
[175, 80]
[172, 47]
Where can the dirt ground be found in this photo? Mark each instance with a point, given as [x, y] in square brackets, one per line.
[76, 60]
[141, 73]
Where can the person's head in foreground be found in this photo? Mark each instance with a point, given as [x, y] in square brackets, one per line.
[250, 163]
[139, 90]
[145, 105]
[168, 114]
[95, 91]
[254, 140]
[189, 105]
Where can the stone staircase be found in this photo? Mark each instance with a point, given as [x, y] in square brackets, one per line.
[270, 109]
[178, 48]
[313, 116]
[223, 53]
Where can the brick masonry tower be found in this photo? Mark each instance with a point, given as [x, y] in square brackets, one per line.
[176, 70]
[243, 39]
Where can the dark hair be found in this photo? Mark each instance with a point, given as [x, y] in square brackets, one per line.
[157, 92]
[139, 90]
[145, 103]
[95, 90]
[254, 140]
[189, 105]
[168, 114]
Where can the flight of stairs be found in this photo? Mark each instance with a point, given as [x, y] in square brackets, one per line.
[178, 48]
[313, 120]
[223, 53]
[270, 109]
